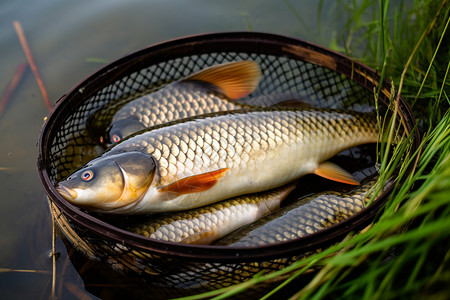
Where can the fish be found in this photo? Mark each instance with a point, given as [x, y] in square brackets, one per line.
[213, 89]
[205, 159]
[300, 218]
[208, 223]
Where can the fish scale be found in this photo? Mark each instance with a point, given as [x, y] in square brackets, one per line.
[206, 224]
[165, 109]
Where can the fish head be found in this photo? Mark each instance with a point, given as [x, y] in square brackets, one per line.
[110, 182]
[119, 130]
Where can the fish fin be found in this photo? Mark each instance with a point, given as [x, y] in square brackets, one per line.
[273, 202]
[235, 79]
[332, 171]
[293, 103]
[192, 184]
[205, 237]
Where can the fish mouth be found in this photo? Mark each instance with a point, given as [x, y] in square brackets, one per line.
[67, 193]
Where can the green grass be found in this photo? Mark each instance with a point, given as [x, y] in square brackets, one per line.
[405, 254]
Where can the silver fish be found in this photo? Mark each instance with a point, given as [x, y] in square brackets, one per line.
[211, 90]
[208, 223]
[206, 159]
[303, 217]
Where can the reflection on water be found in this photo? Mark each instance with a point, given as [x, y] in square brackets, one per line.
[68, 40]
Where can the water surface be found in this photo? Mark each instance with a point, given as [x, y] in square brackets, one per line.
[70, 40]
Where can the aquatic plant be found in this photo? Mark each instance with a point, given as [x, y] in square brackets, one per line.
[406, 251]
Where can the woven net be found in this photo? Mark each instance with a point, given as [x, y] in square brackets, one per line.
[290, 68]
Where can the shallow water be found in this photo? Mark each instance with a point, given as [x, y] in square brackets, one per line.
[70, 40]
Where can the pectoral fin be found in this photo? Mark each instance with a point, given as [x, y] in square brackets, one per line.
[332, 171]
[235, 79]
[273, 201]
[192, 184]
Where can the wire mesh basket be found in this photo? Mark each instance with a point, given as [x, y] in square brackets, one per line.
[315, 75]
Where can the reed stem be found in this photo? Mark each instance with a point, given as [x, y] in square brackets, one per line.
[32, 64]
[12, 86]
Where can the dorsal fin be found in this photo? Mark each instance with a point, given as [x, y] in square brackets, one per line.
[293, 103]
[235, 79]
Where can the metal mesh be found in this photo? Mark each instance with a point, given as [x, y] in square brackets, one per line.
[329, 81]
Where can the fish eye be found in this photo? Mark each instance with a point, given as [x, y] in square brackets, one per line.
[101, 140]
[115, 138]
[87, 175]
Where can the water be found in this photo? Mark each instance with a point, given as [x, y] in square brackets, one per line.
[70, 40]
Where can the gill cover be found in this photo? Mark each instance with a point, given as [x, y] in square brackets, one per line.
[110, 182]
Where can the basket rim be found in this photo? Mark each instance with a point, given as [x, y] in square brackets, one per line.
[210, 252]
